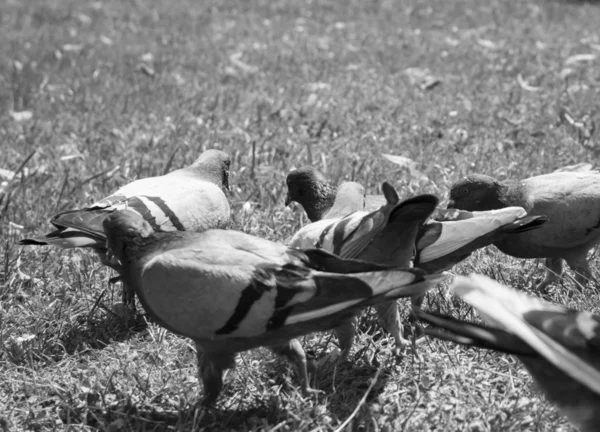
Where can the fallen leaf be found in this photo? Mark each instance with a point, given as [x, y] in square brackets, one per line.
[235, 58]
[106, 40]
[6, 174]
[566, 72]
[402, 161]
[486, 43]
[83, 18]
[318, 86]
[577, 58]
[145, 69]
[148, 57]
[525, 86]
[14, 229]
[422, 78]
[70, 157]
[20, 116]
[72, 47]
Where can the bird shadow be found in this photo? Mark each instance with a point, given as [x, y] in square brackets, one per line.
[98, 333]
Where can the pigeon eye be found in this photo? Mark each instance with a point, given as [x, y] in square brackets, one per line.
[464, 191]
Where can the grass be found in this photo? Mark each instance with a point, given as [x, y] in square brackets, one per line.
[117, 89]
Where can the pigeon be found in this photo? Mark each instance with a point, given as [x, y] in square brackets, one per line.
[187, 199]
[445, 239]
[450, 236]
[560, 347]
[310, 188]
[570, 200]
[229, 291]
[385, 236]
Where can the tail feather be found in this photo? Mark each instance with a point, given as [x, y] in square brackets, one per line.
[506, 308]
[76, 228]
[394, 235]
[525, 224]
[86, 220]
[443, 244]
[347, 294]
[471, 334]
[324, 261]
[66, 238]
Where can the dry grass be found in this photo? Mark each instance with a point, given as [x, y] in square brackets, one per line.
[119, 88]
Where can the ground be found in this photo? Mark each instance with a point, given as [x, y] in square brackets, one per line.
[104, 92]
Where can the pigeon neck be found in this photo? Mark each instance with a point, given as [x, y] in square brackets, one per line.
[318, 205]
[210, 171]
[511, 193]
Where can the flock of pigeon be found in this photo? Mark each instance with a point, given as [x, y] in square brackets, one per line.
[228, 291]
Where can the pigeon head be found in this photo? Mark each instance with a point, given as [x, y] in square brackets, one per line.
[124, 228]
[476, 193]
[310, 188]
[217, 164]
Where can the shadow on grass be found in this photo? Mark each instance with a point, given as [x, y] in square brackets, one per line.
[192, 417]
[99, 333]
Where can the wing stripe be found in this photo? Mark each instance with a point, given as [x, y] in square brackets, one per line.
[167, 211]
[339, 233]
[136, 203]
[323, 236]
[249, 296]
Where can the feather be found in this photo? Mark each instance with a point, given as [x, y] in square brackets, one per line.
[229, 291]
[190, 198]
[570, 201]
[560, 347]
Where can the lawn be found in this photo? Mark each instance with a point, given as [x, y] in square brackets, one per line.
[108, 91]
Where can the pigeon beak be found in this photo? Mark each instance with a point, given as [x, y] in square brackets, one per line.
[451, 204]
[288, 199]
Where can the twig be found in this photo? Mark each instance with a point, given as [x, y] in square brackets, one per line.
[252, 174]
[360, 403]
[95, 176]
[170, 161]
[62, 190]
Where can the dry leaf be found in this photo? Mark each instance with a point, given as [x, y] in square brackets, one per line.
[402, 161]
[566, 72]
[106, 40]
[147, 70]
[318, 86]
[83, 18]
[422, 78]
[486, 43]
[148, 57]
[580, 58]
[72, 47]
[235, 58]
[20, 116]
[70, 157]
[525, 86]
[6, 174]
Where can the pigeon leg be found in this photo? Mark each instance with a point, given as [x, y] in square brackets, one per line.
[583, 273]
[390, 319]
[210, 370]
[128, 298]
[294, 352]
[128, 294]
[554, 268]
[345, 334]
